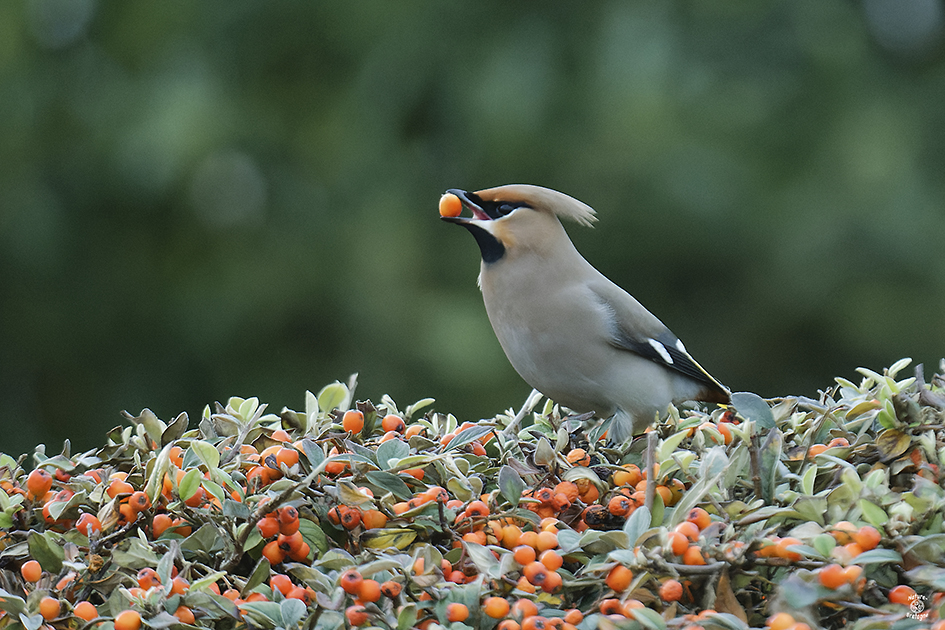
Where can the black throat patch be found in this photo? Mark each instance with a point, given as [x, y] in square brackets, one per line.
[490, 247]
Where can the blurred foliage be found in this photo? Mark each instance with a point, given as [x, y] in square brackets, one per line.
[202, 198]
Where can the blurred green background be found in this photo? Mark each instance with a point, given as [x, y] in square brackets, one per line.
[206, 199]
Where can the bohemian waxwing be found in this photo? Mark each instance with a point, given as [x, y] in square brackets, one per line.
[571, 333]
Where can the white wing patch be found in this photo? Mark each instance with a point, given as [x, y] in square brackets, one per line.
[680, 346]
[661, 350]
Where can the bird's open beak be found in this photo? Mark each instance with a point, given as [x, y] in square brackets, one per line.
[470, 201]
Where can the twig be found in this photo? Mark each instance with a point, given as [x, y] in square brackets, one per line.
[712, 499]
[697, 569]
[755, 465]
[651, 438]
[259, 513]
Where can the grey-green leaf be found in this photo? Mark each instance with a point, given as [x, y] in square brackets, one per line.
[753, 407]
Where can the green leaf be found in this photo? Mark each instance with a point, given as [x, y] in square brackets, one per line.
[873, 514]
[292, 610]
[389, 482]
[334, 396]
[313, 534]
[45, 550]
[770, 456]
[11, 603]
[649, 619]
[753, 407]
[636, 525]
[189, 484]
[259, 575]
[390, 537]
[207, 453]
[511, 485]
[467, 436]
[266, 614]
[482, 558]
[878, 556]
[391, 450]
[807, 481]
[799, 593]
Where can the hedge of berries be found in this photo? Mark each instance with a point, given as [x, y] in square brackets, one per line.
[788, 514]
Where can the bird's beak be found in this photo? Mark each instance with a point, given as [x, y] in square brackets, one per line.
[470, 201]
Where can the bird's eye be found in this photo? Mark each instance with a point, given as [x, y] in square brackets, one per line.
[505, 208]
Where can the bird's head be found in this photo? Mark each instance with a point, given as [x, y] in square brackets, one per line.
[511, 219]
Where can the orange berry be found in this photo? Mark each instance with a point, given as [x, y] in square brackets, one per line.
[118, 486]
[693, 556]
[620, 505]
[282, 582]
[677, 542]
[523, 554]
[524, 608]
[351, 581]
[31, 571]
[450, 205]
[391, 589]
[551, 559]
[784, 552]
[553, 582]
[393, 422]
[671, 591]
[476, 509]
[280, 435]
[185, 615]
[288, 518]
[535, 572]
[457, 612]
[688, 529]
[179, 586]
[416, 473]
[853, 549]
[843, 532]
[578, 457]
[611, 607]
[88, 523]
[529, 538]
[901, 594]
[351, 518]
[148, 577]
[85, 610]
[573, 616]
[369, 591]
[139, 501]
[780, 621]
[546, 540]
[852, 573]
[619, 578]
[816, 449]
[356, 615]
[288, 456]
[373, 519]
[353, 421]
[273, 553]
[38, 483]
[496, 607]
[267, 526]
[700, 517]
[568, 489]
[832, 576]
[867, 537]
[49, 608]
[128, 620]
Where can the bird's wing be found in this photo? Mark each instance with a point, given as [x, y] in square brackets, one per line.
[635, 329]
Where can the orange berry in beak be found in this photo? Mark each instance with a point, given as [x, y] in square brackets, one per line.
[450, 205]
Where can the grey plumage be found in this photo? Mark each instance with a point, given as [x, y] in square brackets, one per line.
[571, 333]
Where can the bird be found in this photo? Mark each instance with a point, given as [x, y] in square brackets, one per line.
[570, 332]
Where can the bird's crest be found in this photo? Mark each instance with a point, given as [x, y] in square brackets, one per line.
[539, 198]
